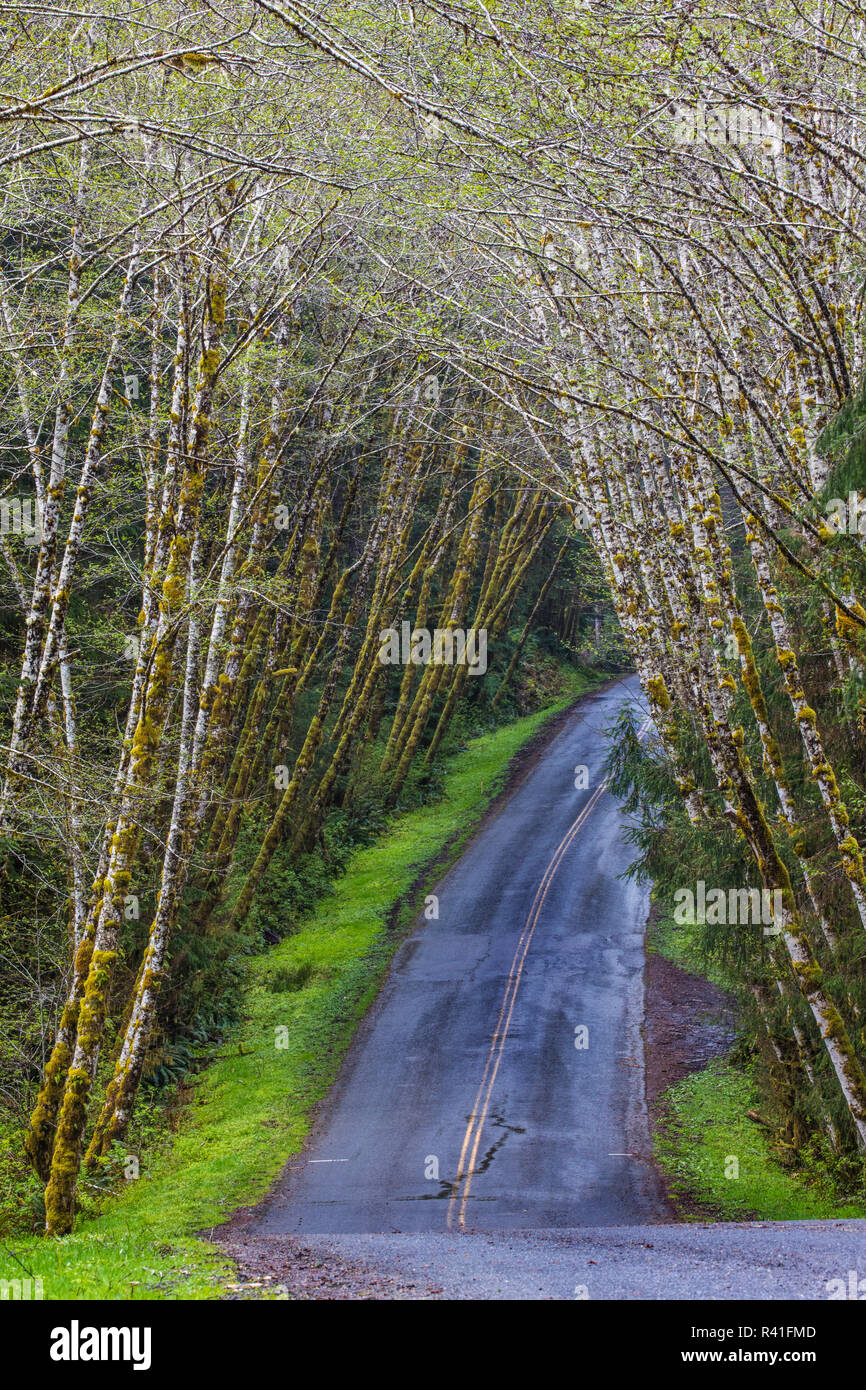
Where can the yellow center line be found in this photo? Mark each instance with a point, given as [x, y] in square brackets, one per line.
[476, 1119]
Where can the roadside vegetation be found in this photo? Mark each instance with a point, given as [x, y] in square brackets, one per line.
[717, 1134]
[723, 1165]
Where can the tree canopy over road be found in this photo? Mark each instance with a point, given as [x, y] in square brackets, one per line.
[315, 320]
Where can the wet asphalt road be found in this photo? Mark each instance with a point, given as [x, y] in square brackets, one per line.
[465, 1103]
[468, 1149]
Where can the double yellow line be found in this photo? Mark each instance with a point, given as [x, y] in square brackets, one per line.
[472, 1137]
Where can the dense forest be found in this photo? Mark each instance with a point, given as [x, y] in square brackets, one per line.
[537, 328]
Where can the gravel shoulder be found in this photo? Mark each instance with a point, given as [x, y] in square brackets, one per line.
[759, 1260]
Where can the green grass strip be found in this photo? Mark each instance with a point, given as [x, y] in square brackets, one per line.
[714, 1154]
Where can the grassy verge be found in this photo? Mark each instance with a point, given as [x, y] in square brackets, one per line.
[719, 1163]
[718, 1157]
[250, 1110]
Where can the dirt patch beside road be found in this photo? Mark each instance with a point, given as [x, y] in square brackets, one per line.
[284, 1267]
[687, 1023]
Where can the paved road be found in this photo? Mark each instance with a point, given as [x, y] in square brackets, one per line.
[469, 1150]
[465, 1103]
